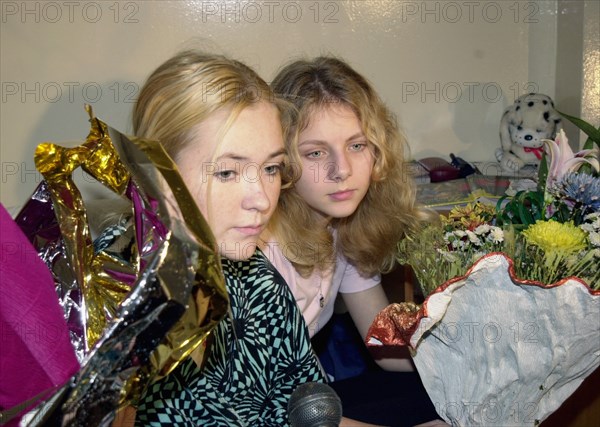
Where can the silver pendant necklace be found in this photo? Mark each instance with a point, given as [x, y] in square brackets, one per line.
[321, 297]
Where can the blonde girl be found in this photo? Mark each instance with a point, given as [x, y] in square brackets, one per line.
[222, 125]
[336, 229]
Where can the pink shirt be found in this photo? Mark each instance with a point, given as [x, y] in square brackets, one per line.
[315, 295]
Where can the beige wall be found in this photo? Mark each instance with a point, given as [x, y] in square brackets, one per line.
[447, 68]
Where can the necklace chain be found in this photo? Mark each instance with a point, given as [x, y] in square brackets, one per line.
[321, 297]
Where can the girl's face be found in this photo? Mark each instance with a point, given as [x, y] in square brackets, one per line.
[336, 162]
[236, 181]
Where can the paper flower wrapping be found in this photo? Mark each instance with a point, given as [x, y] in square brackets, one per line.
[130, 322]
[492, 350]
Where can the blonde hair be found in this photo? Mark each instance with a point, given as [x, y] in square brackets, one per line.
[186, 89]
[368, 238]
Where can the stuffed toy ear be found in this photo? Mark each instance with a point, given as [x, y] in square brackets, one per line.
[505, 138]
[557, 119]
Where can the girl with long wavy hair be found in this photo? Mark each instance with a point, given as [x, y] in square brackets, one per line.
[337, 226]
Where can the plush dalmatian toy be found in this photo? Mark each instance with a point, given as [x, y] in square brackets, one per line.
[524, 125]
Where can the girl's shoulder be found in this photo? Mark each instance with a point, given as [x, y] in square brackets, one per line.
[254, 271]
[256, 281]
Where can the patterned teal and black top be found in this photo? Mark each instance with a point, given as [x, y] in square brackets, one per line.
[257, 358]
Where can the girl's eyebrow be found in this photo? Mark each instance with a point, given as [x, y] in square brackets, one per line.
[240, 158]
[357, 135]
[312, 141]
[277, 154]
[232, 156]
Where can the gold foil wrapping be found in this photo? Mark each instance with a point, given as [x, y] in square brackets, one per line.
[133, 335]
[97, 157]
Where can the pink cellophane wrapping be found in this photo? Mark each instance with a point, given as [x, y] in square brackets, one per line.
[34, 334]
[495, 351]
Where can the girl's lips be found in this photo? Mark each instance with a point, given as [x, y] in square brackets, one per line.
[341, 196]
[250, 230]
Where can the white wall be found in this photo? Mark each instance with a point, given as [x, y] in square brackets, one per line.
[590, 99]
[447, 68]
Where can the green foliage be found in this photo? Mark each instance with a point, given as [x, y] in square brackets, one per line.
[592, 133]
[524, 208]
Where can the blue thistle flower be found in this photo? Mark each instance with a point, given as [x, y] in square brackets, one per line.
[580, 188]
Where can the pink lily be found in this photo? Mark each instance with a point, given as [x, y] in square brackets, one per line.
[562, 160]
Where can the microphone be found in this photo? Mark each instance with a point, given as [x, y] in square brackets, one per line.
[314, 405]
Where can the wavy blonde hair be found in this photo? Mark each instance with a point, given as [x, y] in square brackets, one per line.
[368, 238]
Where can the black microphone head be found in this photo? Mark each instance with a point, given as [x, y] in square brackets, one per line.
[314, 405]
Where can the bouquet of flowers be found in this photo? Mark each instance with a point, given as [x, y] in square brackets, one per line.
[504, 335]
[550, 232]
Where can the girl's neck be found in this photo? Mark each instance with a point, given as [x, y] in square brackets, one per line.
[322, 221]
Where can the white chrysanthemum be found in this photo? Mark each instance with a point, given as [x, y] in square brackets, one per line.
[593, 215]
[473, 238]
[594, 239]
[482, 229]
[593, 219]
[460, 233]
[497, 235]
[587, 227]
